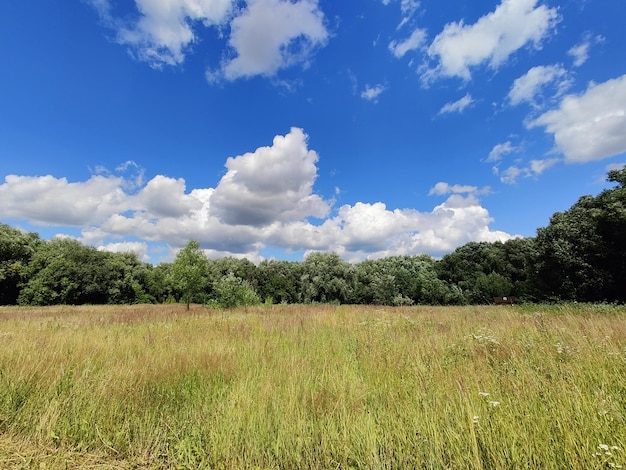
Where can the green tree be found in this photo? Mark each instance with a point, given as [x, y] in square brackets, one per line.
[232, 291]
[327, 278]
[64, 271]
[130, 280]
[278, 280]
[158, 284]
[189, 272]
[16, 251]
[581, 254]
[483, 270]
[402, 280]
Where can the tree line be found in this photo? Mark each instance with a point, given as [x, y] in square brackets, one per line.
[580, 256]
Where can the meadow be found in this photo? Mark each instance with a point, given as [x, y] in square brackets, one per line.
[481, 387]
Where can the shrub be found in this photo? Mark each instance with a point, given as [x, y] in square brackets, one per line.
[232, 291]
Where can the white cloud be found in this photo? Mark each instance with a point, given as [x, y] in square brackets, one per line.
[165, 197]
[492, 39]
[535, 168]
[371, 93]
[409, 6]
[539, 166]
[138, 248]
[272, 34]
[457, 106]
[589, 126]
[265, 199]
[271, 184]
[365, 230]
[55, 201]
[265, 36]
[512, 173]
[580, 52]
[529, 85]
[500, 150]
[442, 188]
[413, 42]
[164, 30]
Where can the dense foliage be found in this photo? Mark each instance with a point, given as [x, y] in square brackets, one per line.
[579, 256]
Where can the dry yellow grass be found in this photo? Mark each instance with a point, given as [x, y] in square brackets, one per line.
[313, 386]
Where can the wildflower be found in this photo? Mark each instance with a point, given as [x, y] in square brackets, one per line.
[483, 394]
[475, 419]
[494, 403]
[603, 447]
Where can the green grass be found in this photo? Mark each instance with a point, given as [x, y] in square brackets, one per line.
[313, 387]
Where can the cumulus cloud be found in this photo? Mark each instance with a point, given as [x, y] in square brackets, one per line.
[589, 126]
[55, 201]
[371, 93]
[272, 34]
[457, 106]
[163, 30]
[492, 39]
[528, 86]
[413, 42]
[265, 199]
[365, 230]
[265, 36]
[271, 184]
[165, 197]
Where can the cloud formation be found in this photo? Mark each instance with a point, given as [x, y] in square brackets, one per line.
[413, 42]
[371, 93]
[528, 86]
[492, 39]
[589, 126]
[535, 167]
[271, 184]
[265, 36]
[273, 34]
[442, 188]
[163, 30]
[457, 106]
[580, 52]
[500, 150]
[265, 199]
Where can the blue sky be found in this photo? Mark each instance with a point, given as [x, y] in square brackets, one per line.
[272, 128]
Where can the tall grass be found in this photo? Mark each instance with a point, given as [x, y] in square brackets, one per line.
[313, 387]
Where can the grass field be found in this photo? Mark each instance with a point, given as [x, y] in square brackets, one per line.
[313, 387]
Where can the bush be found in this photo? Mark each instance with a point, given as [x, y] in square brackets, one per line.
[232, 291]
